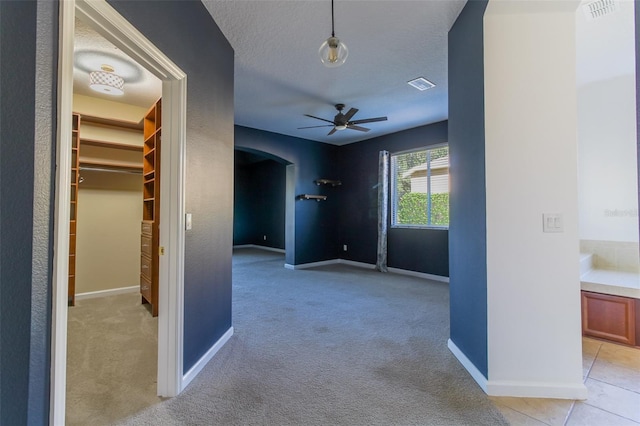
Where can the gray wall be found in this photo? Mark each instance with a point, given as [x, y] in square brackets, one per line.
[420, 250]
[28, 54]
[467, 202]
[315, 223]
[187, 34]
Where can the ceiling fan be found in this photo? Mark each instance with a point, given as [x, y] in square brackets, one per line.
[343, 121]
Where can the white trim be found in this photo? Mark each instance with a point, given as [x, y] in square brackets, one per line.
[202, 362]
[106, 21]
[363, 265]
[468, 365]
[106, 293]
[312, 264]
[357, 264]
[424, 275]
[536, 390]
[255, 246]
[172, 229]
[60, 284]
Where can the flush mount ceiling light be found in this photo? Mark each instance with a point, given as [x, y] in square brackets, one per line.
[421, 83]
[106, 81]
[333, 52]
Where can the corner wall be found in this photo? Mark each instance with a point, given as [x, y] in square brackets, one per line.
[467, 199]
[419, 250]
[177, 28]
[533, 285]
[28, 81]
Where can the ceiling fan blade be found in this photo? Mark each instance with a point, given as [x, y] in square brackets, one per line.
[318, 118]
[332, 131]
[360, 129]
[350, 114]
[368, 120]
[313, 127]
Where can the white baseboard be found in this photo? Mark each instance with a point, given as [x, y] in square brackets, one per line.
[537, 390]
[255, 246]
[468, 365]
[357, 264]
[198, 366]
[109, 292]
[519, 389]
[419, 275]
[368, 266]
[312, 264]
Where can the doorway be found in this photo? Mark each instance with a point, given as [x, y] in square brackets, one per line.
[107, 22]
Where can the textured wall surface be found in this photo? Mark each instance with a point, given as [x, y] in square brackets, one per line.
[259, 204]
[187, 34]
[28, 52]
[467, 202]
[420, 250]
[316, 223]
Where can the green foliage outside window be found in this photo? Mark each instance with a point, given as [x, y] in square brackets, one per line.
[412, 209]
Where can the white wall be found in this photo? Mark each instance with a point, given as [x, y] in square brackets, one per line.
[108, 231]
[607, 162]
[533, 287]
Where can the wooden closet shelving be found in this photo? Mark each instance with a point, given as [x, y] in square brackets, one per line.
[150, 241]
[75, 177]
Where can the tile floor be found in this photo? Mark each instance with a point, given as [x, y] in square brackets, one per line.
[612, 377]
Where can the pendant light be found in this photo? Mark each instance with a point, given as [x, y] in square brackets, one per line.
[333, 52]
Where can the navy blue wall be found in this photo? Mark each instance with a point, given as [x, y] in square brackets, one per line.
[316, 223]
[420, 250]
[28, 76]
[17, 105]
[187, 34]
[259, 204]
[467, 202]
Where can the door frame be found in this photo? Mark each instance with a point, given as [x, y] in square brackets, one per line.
[111, 25]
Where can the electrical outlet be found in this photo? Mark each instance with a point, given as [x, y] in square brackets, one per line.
[344, 247]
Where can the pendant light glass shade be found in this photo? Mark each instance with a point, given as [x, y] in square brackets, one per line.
[333, 52]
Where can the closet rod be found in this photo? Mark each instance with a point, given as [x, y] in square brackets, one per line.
[105, 169]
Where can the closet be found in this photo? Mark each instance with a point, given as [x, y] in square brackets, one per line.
[114, 172]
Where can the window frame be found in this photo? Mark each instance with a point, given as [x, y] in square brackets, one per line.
[393, 190]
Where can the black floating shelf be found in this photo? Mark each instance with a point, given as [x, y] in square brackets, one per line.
[312, 197]
[328, 182]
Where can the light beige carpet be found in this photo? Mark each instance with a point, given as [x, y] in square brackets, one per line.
[334, 345]
[111, 359]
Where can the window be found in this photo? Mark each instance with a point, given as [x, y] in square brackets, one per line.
[420, 188]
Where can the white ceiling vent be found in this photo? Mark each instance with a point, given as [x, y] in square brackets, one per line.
[599, 8]
[421, 83]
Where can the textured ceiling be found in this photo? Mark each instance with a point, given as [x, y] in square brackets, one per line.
[91, 50]
[279, 76]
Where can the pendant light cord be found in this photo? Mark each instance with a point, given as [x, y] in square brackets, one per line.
[333, 34]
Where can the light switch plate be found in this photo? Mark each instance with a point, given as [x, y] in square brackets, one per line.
[187, 221]
[552, 222]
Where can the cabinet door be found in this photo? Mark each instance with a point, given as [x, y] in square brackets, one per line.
[609, 317]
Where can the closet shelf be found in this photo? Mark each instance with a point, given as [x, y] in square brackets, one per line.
[107, 144]
[109, 165]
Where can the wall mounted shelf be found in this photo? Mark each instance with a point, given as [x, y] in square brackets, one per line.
[312, 197]
[327, 182]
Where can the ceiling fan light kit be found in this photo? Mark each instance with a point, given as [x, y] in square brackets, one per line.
[333, 52]
[343, 121]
